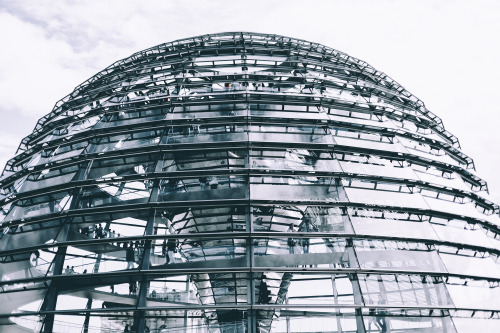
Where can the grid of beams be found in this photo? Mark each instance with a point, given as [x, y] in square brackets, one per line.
[243, 182]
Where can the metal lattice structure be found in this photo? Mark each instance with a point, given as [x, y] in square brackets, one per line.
[243, 182]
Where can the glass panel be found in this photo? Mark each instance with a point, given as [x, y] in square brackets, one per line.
[182, 252]
[59, 153]
[392, 228]
[467, 325]
[201, 220]
[459, 264]
[107, 322]
[119, 293]
[293, 159]
[313, 320]
[291, 219]
[113, 254]
[328, 219]
[378, 170]
[463, 236]
[26, 323]
[304, 288]
[441, 158]
[455, 182]
[385, 198]
[493, 218]
[196, 112]
[130, 117]
[172, 290]
[204, 133]
[397, 255]
[304, 134]
[454, 208]
[48, 204]
[307, 188]
[474, 296]
[202, 160]
[352, 120]
[178, 253]
[303, 252]
[123, 166]
[125, 141]
[288, 114]
[392, 147]
[196, 321]
[49, 177]
[178, 290]
[31, 234]
[202, 188]
[404, 290]
[72, 129]
[384, 321]
[27, 265]
[222, 289]
[113, 225]
[85, 259]
[104, 194]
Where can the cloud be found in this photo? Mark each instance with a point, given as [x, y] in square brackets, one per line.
[35, 70]
[77, 23]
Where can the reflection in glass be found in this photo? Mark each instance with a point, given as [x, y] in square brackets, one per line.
[244, 183]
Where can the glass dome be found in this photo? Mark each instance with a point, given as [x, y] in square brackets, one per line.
[244, 182]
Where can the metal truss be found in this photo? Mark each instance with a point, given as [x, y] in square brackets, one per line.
[245, 182]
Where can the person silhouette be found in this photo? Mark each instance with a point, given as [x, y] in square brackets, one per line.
[380, 317]
[305, 227]
[372, 312]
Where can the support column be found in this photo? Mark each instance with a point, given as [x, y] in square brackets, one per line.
[50, 301]
[187, 301]
[251, 318]
[140, 315]
[336, 302]
[356, 289]
[251, 322]
[87, 316]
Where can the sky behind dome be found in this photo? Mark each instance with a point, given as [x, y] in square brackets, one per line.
[444, 52]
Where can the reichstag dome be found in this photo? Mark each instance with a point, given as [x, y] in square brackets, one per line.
[245, 183]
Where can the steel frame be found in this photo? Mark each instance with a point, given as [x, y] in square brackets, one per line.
[123, 150]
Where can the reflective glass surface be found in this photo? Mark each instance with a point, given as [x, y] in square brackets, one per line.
[241, 182]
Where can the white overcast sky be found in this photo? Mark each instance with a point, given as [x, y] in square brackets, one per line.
[447, 53]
